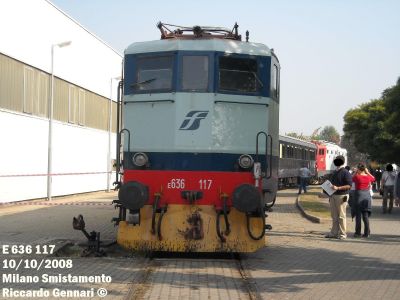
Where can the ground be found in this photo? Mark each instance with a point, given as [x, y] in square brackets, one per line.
[298, 262]
[301, 264]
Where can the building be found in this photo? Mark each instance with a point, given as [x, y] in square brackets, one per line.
[34, 40]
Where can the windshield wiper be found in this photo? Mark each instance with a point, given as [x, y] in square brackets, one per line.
[143, 82]
[258, 79]
[255, 75]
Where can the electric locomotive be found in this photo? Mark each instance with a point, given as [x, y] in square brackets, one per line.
[197, 149]
[326, 153]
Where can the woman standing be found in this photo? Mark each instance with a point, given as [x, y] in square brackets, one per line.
[362, 180]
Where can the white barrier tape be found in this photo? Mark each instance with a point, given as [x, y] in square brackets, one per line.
[54, 174]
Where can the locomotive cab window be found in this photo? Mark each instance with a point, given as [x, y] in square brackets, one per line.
[153, 73]
[194, 73]
[238, 75]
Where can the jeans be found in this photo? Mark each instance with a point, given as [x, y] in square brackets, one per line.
[365, 219]
[387, 193]
[303, 184]
[378, 184]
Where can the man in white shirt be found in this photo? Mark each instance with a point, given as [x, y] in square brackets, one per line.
[304, 175]
[387, 182]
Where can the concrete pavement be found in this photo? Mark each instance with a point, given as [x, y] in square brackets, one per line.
[301, 264]
[298, 263]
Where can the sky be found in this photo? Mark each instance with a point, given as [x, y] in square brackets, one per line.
[334, 54]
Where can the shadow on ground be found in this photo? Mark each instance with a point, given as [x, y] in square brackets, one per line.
[297, 266]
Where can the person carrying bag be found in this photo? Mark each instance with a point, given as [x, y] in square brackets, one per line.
[362, 204]
[341, 183]
[387, 184]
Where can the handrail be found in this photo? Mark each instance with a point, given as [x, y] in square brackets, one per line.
[119, 121]
[240, 102]
[266, 148]
[129, 138]
[270, 156]
[148, 101]
[118, 154]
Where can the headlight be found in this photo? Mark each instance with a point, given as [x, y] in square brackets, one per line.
[246, 161]
[140, 159]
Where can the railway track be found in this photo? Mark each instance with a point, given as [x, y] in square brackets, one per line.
[248, 281]
[193, 276]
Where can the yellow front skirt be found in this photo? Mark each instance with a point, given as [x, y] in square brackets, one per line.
[191, 228]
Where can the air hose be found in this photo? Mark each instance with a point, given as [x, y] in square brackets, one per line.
[221, 237]
[256, 238]
[153, 215]
[163, 210]
[227, 225]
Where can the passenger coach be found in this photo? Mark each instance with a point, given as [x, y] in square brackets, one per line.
[295, 154]
[198, 123]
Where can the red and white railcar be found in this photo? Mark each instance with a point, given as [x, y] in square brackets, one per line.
[326, 153]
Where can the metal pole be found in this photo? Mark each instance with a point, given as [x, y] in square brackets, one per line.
[50, 139]
[109, 140]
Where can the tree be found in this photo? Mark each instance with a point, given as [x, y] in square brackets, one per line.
[391, 98]
[330, 134]
[353, 155]
[314, 134]
[293, 134]
[374, 126]
[364, 125]
[297, 136]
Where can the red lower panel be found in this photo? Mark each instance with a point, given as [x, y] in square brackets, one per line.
[172, 183]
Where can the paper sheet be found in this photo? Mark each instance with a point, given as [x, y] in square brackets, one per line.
[327, 187]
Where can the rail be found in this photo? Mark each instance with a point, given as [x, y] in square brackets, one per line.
[148, 101]
[240, 102]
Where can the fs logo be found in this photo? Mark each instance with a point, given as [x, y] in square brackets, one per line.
[192, 120]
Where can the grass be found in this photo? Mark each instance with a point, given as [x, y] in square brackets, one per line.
[314, 205]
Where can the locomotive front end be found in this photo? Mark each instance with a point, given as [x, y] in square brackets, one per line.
[198, 137]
